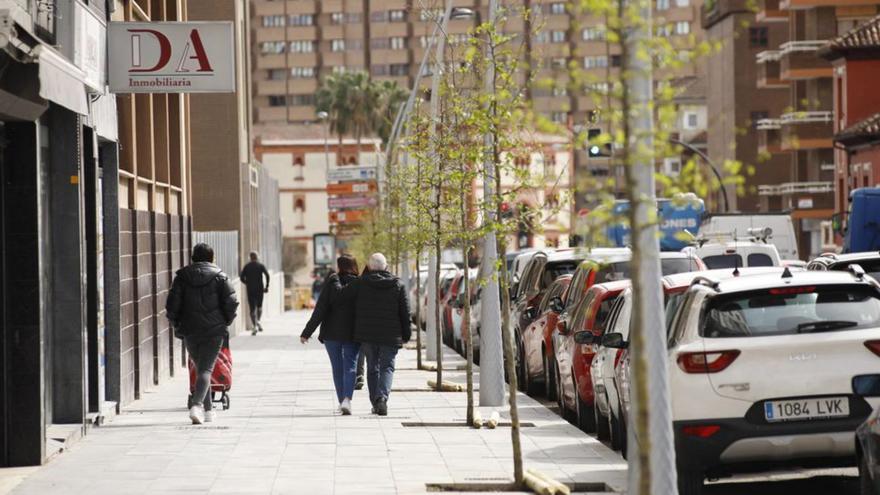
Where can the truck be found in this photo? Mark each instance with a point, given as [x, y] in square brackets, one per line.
[862, 223]
[742, 224]
[677, 217]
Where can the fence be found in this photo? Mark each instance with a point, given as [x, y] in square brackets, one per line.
[270, 222]
[225, 244]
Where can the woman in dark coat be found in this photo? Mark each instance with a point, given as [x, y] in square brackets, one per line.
[336, 320]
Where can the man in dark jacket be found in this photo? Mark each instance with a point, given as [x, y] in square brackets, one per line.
[381, 325]
[252, 277]
[201, 305]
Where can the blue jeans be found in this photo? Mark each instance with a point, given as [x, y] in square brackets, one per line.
[380, 369]
[343, 361]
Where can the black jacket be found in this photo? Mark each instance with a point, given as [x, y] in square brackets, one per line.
[335, 315]
[252, 276]
[201, 301]
[381, 309]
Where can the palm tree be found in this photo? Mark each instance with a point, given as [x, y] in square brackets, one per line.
[391, 97]
[332, 97]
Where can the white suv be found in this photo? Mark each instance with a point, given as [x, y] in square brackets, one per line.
[763, 371]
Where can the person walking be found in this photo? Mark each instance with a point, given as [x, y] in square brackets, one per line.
[336, 318]
[252, 277]
[200, 306]
[381, 325]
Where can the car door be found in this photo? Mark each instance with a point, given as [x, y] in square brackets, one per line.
[571, 322]
[598, 366]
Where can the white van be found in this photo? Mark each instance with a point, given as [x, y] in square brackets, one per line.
[721, 251]
[738, 225]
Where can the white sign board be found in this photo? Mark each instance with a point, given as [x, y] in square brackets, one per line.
[171, 57]
[340, 174]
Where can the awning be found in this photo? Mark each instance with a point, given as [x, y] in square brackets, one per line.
[61, 82]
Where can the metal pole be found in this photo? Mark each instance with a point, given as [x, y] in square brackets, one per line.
[431, 349]
[711, 166]
[652, 457]
[491, 350]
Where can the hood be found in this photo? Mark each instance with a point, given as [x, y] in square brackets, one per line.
[381, 280]
[199, 274]
[347, 278]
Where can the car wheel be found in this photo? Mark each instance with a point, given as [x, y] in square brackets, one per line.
[586, 413]
[549, 379]
[690, 483]
[615, 431]
[601, 422]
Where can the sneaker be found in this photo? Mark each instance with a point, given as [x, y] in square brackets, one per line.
[260, 327]
[197, 414]
[345, 407]
[254, 333]
[359, 383]
[382, 407]
[210, 416]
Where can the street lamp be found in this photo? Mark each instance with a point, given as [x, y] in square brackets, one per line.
[710, 164]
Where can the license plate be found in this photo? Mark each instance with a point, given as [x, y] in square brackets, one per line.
[804, 409]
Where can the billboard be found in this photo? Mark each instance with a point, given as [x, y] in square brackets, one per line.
[324, 249]
[171, 57]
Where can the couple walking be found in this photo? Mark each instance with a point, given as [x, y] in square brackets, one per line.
[369, 314]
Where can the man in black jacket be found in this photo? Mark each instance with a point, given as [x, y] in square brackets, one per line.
[200, 305]
[381, 325]
[252, 278]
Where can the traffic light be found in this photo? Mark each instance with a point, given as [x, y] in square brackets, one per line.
[594, 148]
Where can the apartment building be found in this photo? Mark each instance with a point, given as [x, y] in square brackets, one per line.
[802, 132]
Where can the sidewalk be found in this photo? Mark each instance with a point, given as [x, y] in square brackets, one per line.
[281, 435]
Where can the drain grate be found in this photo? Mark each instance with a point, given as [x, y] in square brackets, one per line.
[453, 424]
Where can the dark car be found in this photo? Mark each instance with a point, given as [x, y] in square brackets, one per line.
[868, 449]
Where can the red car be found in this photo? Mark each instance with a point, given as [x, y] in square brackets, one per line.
[574, 390]
[537, 348]
[448, 297]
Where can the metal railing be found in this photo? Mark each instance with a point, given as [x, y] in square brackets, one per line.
[796, 188]
[768, 56]
[801, 46]
[824, 117]
[768, 124]
[225, 245]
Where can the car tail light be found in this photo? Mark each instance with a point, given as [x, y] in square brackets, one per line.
[706, 362]
[704, 431]
[873, 346]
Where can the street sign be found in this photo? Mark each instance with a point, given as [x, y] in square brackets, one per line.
[359, 201]
[351, 188]
[348, 216]
[342, 174]
[324, 246]
[171, 57]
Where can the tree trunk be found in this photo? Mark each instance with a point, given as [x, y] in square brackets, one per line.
[438, 220]
[466, 310]
[418, 310]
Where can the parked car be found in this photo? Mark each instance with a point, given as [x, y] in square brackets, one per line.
[448, 306]
[446, 270]
[457, 309]
[607, 357]
[774, 361]
[536, 349]
[574, 387]
[737, 252]
[783, 235]
[540, 272]
[869, 261]
[868, 444]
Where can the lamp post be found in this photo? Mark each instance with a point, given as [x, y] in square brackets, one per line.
[710, 164]
[324, 118]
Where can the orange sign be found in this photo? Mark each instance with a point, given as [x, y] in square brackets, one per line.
[351, 188]
[348, 216]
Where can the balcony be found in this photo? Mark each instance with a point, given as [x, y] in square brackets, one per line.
[802, 196]
[713, 11]
[807, 130]
[810, 4]
[770, 11]
[800, 60]
[769, 70]
[769, 136]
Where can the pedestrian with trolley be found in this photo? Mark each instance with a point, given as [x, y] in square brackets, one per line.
[252, 277]
[200, 306]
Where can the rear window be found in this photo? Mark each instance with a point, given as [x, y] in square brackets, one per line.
[554, 270]
[790, 311]
[760, 259]
[612, 271]
[721, 261]
[671, 266]
[871, 267]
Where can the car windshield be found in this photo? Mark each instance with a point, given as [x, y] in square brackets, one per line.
[790, 310]
[554, 270]
[671, 266]
[721, 261]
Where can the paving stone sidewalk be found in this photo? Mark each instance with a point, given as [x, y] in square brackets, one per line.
[282, 435]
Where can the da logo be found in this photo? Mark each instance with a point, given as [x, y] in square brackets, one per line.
[193, 57]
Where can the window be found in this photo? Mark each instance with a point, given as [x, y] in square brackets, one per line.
[593, 34]
[301, 20]
[302, 100]
[690, 121]
[337, 45]
[560, 91]
[353, 18]
[380, 70]
[423, 41]
[302, 72]
[379, 43]
[339, 69]
[557, 8]
[722, 261]
[595, 62]
[273, 21]
[757, 116]
[758, 37]
[671, 266]
[662, 4]
[682, 27]
[542, 37]
[276, 101]
[430, 14]
[302, 46]
[381, 16]
[682, 3]
[397, 16]
[557, 36]
[298, 169]
[559, 117]
[399, 69]
[558, 62]
[354, 44]
[276, 74]
[398, 43]
[615, 61]
[272, 47]
[337, 18]
[299, 210]
[664, 30]
[672, 166]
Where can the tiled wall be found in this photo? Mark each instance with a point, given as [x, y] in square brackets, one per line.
[152, 246]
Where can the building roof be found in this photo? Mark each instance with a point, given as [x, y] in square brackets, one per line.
[861, 132]
[863, 39]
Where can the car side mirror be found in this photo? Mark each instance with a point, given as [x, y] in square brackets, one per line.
[562, 327]
[584, 337]
[556, 304]
[532, 313]
[614, 341]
